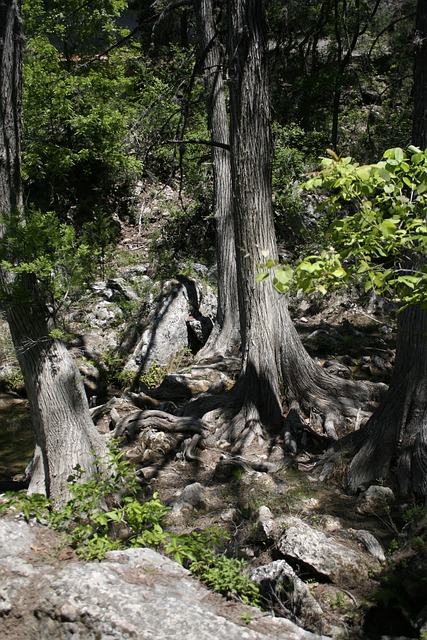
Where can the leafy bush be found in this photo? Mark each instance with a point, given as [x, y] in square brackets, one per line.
[41, 247]
[379, 234]
[224, 575]
[78, 108]
[12, 382]
[295, 151]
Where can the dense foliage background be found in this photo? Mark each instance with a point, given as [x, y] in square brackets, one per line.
[111, 87]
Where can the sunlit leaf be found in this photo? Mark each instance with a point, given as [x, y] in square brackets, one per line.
[284, 275]
[388, 228]
[262, 275]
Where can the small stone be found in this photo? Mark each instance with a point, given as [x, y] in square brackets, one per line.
[230, 515]
[376, 499]
[193, 495]
[68, 613]
[5, 604]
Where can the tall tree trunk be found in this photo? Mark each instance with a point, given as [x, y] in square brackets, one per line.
[259, 385]
[419, 119]
[64, 432]
[10, 108]
[273, 356]
[225, 336]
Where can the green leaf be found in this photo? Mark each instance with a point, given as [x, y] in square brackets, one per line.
[363, 267]
[261, 275]
[389, 188]
[417, 158]
[311, 267]
[409, 281]
[384, 174]
[364, 172]
[339, 272]
[414, 149]
[284, 274]
[409, 182]
[388, 228]
[399, 154]
[270, 263]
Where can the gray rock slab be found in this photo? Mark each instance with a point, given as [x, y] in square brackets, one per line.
[135, 594]
[278, 578]
[324, 554]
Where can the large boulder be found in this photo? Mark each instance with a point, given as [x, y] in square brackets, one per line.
[279, 584]
[181, 317]
[134, 594]
[324, 555]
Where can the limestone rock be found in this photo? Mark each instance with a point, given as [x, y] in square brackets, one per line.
[192, 496]
[135, 594]
[324, 555]
[376, 499]
[279, 583]
[371, 544]
[167, 332]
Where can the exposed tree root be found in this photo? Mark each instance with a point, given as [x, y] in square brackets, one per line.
[252, 410]
[253, 465]
[133, 423]
[210, 418]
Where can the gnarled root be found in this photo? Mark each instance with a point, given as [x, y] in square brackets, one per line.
[133, 423]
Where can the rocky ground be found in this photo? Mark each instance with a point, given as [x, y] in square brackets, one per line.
[333, 564]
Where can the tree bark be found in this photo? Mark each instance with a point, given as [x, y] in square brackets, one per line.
[10, 107]
[258, 387]
[225, 335]
[396, 434]
[419, 119]
[64, 432]
[274, 359]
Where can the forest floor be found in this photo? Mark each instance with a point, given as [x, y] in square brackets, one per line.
[352, 338]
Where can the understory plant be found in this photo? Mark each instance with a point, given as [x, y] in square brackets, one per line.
[105, 513]
[377, 237]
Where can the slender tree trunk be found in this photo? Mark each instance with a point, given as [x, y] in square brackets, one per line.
[10, 107]
[258, 388]
[419, 120]
[64, 432]
[225, 336]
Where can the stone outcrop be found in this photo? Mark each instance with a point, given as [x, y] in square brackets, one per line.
[278, 582]
[134, 594]
[180, 317]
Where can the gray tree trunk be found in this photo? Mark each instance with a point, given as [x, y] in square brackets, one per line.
[64, 432]
[225, 336]
[396, 434]
[259, 385]
[274, 359]
[419, 119]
